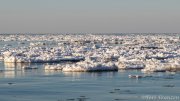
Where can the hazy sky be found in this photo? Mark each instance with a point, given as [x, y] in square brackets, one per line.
[62, 16]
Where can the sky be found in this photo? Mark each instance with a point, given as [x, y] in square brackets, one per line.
[89, 16]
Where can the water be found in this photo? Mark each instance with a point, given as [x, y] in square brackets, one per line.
[17, 84]
[41, 85]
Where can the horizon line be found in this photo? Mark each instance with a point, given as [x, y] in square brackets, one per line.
[93, 33]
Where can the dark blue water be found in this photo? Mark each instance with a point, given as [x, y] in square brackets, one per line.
[41, 85]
